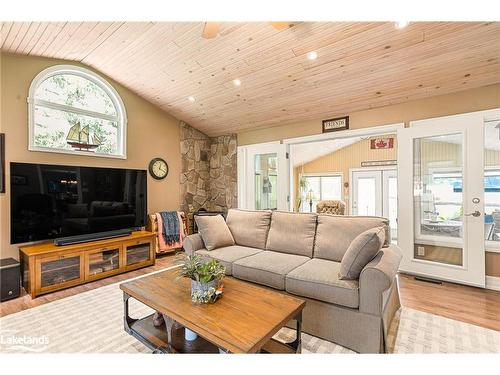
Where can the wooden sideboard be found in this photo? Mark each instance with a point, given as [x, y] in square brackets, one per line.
[46, 267]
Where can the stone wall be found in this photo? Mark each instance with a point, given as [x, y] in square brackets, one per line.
[223, 173]
[208, 171]
[195, 169]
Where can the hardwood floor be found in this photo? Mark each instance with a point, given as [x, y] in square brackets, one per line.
[26, 302]
[465, 303]
[468, 304]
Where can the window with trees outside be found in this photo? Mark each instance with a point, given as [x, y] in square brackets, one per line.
[73, 110]
[315, 188]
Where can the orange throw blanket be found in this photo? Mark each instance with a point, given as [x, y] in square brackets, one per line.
[161, 239]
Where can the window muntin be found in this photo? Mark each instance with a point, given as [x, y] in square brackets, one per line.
[75, 91]
[69, 97]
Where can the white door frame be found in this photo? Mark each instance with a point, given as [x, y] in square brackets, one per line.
[246, 184]
[386, 174]
[471, 126]
[368, 131]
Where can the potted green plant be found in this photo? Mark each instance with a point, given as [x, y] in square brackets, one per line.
[303, 185]
[205, 275]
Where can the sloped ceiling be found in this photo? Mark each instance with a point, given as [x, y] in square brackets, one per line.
[359, 66]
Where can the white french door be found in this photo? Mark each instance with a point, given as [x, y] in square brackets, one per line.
[263, 177]
[367, 193]
[441, 198]
[374, 193]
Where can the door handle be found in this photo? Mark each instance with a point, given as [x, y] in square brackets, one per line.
[475, 214]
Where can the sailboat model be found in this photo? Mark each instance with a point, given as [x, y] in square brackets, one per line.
[81, 138]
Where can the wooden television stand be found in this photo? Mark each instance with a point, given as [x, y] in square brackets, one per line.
[46, 267]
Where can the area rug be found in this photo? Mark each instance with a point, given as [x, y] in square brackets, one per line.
[92, 322]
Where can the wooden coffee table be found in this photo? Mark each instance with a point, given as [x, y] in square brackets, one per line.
[242, 321]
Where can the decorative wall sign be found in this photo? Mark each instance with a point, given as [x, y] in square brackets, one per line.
[2, 163]
[381, 143]
[378, 163]
[336, 124]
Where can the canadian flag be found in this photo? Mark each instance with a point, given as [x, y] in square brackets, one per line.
[378, 143]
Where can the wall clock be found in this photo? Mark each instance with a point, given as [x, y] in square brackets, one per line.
[158, 168]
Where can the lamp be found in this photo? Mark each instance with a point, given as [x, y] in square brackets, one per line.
[310, 197]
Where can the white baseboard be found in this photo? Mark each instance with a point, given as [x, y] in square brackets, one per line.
[493, 283]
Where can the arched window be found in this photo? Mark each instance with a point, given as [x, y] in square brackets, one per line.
[73, 110]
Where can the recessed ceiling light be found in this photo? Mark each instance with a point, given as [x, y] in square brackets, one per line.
[313, 55]
[401, 24]
[191, 98]
[236, 82]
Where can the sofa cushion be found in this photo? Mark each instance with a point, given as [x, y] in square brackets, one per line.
[334, 234]
[227, 255]
[318, 279]
[249, 228]
[214, 231]
[267, 268]
[360, 252]
[292, 233]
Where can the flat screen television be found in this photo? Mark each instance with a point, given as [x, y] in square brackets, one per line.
[53, 201]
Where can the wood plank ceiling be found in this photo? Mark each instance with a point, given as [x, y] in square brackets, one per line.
[359, 66]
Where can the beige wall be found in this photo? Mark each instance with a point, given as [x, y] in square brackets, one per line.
[482, 98]
[151, 133]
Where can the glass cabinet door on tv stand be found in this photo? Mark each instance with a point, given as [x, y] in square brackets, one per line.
[102, 262]
[137, 253]
[59, 271]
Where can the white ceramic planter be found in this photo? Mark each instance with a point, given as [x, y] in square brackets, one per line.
[190, 335]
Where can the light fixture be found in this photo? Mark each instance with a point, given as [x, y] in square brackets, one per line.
[191, 99]
[313, 55]
[401, 24]
[310, 197]
[236, 82]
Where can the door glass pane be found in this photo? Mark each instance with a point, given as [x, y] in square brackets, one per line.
[366, 194]
[438, 199]
[392, 204]
[266, 181]
[492, 183]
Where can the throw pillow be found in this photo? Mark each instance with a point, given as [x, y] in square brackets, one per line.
[214, 231]
[360, 252]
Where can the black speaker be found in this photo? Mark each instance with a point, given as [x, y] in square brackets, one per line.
[10, 279]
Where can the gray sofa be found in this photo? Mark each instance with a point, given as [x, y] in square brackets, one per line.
[300, 254]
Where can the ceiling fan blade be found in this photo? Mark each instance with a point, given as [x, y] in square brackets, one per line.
[281, 25]
[210, 30]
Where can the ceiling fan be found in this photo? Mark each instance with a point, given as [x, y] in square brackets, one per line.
[211, 29]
